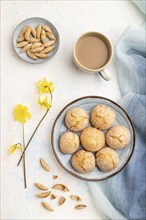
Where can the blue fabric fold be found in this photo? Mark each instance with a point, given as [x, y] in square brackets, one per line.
[141, 4]
[124, 195]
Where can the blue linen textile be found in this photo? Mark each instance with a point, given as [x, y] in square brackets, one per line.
[124, 196]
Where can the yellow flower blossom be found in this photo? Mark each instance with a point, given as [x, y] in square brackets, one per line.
[21, 113]
[13, 148]
[44, 102]
[44, 86]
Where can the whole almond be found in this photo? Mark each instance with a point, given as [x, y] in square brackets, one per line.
[26, 48]
[43, 36]
[32, 40]
[27, 33]
[48, 44]
[51, 36]
[36, 44]
[21, 34]
[31, 55]
[37, 49]
[22, 44]
[47, 28]
[38, 31]
[48, 49]
[43, 55]
[33, 31]
[20, 39]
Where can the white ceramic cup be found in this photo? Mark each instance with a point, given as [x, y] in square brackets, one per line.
[105, 74]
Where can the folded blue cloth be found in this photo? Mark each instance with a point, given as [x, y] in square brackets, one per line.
[124, 196]
[141, 4]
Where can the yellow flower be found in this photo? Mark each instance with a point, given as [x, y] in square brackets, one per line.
[44, 102]
[21, 113]
[44, 86]
[13, 148]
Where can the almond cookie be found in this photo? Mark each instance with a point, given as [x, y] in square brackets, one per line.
[83, 161]
[107, 159]
[92, 139]
[76, 119]
[118, 137]
[69, 142]
[102, 117]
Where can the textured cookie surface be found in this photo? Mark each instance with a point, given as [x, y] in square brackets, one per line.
[76, 119]
[83, 161]
[118, 137]
[107, 159]
[92, 139]
[69, 142]
[102, 117]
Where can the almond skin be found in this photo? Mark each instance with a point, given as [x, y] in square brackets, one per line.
[44, 165]
[61, 200]
[44, 194]
[47, 206]
[40, 186]
[61, 187]
[81, 206]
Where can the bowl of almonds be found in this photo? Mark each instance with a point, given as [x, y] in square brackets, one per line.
[35, 40]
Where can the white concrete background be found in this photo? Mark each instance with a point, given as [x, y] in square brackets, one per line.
[72, 18]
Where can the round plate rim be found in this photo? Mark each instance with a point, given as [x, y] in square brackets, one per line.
[44, 60]
[84, 178]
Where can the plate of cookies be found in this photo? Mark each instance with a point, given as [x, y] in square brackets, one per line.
[35, 40]
[93, 138]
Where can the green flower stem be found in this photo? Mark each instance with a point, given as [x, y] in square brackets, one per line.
[23, 153]
[24, 164]
[35, 130]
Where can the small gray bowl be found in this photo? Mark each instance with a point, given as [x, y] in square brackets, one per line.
[88, 103]
[34, 22]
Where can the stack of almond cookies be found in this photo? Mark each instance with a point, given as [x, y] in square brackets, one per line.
[99, 142]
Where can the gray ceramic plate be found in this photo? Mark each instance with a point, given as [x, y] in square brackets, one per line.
[88, 103]
[34, 22]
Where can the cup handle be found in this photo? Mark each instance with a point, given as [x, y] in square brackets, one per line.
[105, 74]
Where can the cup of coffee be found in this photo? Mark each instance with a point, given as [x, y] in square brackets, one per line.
[92, 53]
